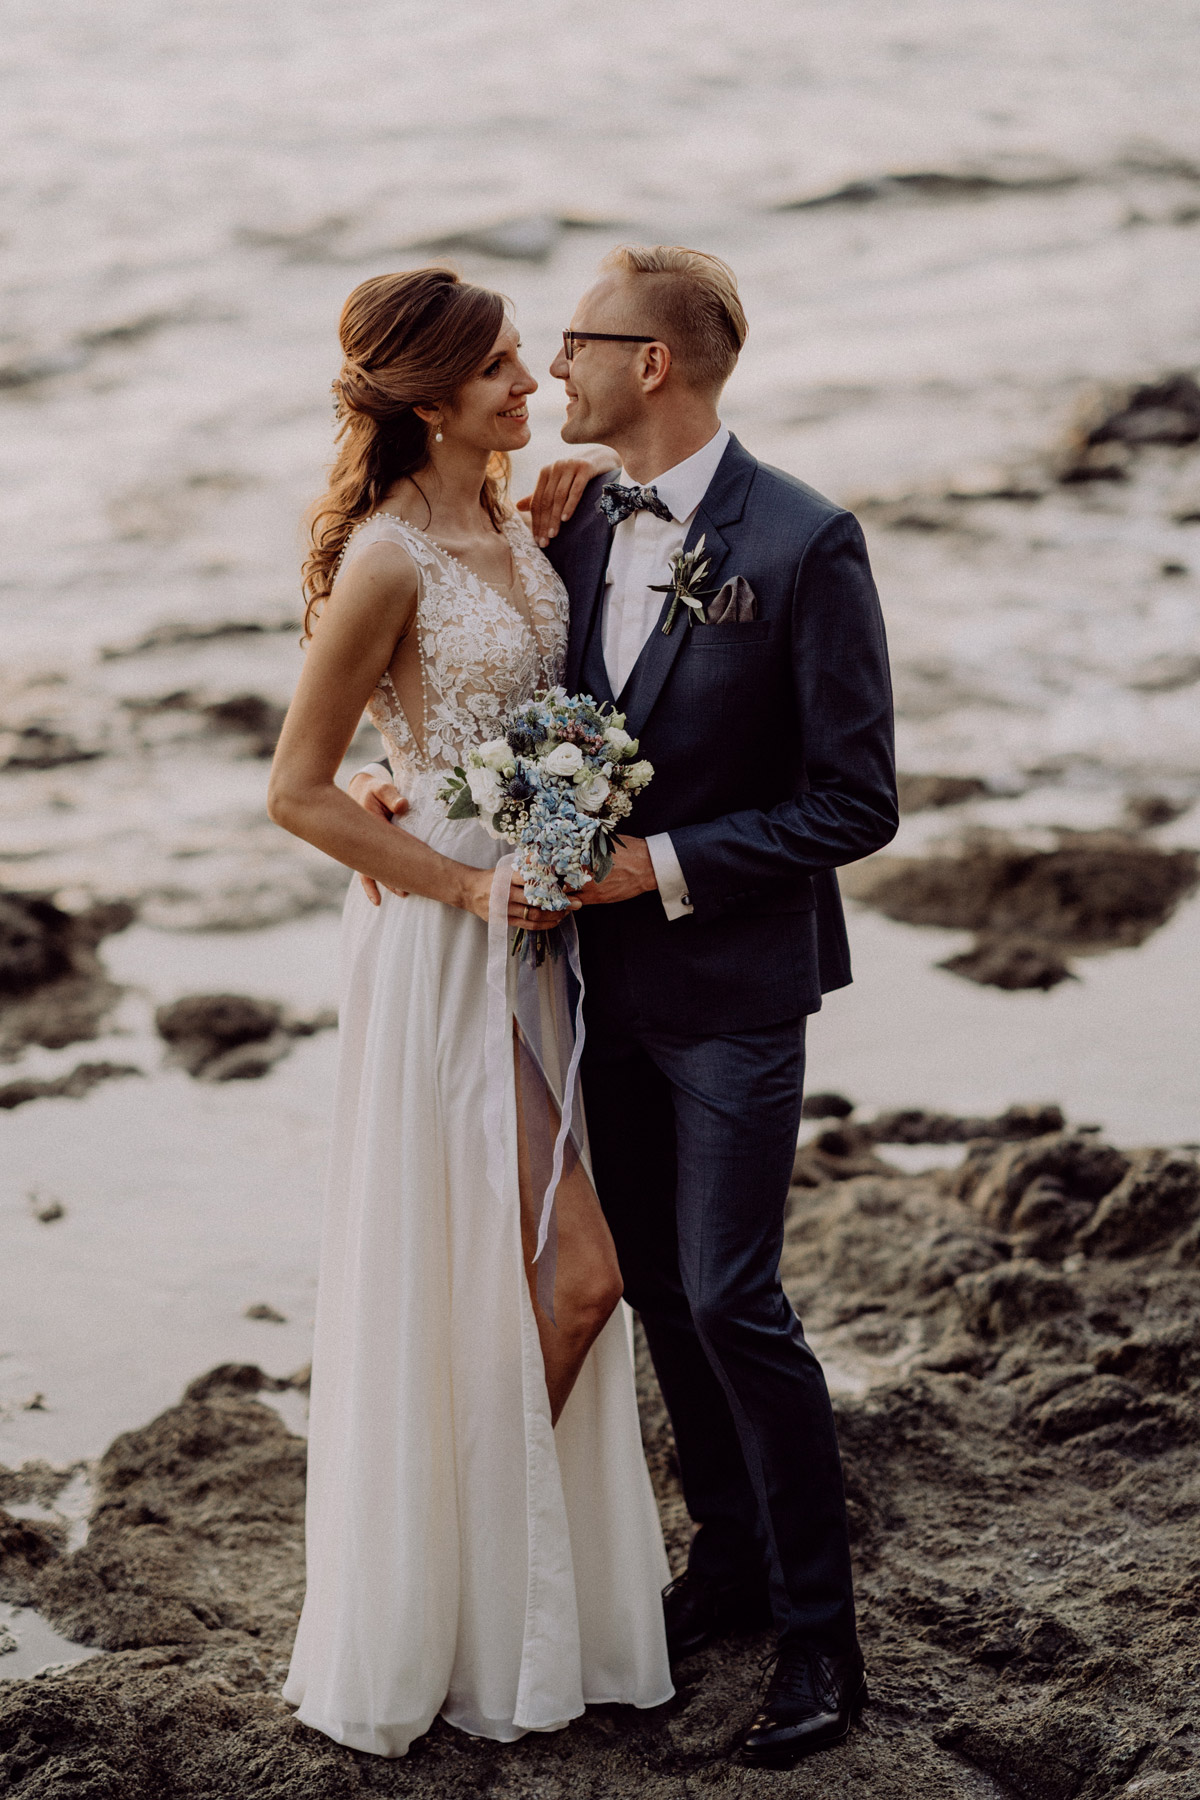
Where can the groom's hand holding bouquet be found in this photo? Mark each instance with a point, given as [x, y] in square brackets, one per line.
[556, 786]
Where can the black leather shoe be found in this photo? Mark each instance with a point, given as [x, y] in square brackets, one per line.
[811, 1701]
[696, 1612]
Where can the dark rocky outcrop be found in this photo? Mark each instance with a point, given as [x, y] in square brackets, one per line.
[1021, 1487]
[920, 793]
[1118, 423]
[1033, 908]
[73, 1086]
[231, 1037]
[53, 987]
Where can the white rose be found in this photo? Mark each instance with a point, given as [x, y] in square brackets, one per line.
[619, 742]
[496, 754]
[638, 774]
[591, 792]
[564, 759]
[486, 790]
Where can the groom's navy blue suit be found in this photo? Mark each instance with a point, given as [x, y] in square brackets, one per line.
[772, 748]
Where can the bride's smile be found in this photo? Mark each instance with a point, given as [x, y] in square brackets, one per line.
[489, 414]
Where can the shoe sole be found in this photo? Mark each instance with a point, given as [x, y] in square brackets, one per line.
[786, 1756]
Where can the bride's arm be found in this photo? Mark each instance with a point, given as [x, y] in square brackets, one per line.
[560, 488]
[352, 644]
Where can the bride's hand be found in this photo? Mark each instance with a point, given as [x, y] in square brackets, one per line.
[521, 916]
[559, 490]
[377, 795]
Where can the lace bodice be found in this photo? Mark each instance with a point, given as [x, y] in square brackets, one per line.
[479, 656]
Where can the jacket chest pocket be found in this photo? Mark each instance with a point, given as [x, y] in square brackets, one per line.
[715, 640]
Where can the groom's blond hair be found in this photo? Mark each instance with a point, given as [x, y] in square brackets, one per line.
[692, 299]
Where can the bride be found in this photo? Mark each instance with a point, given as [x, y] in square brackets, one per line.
[482, 1537]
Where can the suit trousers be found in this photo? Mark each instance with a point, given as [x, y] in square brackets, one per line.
[692, 1146]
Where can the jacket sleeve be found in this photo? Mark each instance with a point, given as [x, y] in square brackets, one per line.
[845, 804]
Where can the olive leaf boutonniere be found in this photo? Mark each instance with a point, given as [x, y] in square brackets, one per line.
[689, 568]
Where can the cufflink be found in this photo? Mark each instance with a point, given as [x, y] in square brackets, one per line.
[685, 899]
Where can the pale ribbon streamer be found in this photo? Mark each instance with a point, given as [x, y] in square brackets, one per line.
[527, 1010]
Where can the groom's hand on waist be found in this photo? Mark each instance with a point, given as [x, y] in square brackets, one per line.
[375, 794]
[632, 873]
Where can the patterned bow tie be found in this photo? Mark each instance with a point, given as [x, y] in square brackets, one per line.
[616, 502]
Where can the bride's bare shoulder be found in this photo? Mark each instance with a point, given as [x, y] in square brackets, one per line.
[382, 572]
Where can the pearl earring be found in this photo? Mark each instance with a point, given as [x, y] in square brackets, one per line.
[437, 436]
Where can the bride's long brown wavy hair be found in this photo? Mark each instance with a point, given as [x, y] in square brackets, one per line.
[407, 340]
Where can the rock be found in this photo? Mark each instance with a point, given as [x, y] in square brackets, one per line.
[261, 1310]
[251, 716]
[26, 1546]
[1011, 963]
[42, 745]
[53, 988]
[993, 1181]
[949, 1253]
[223, 1037]
[46, 1209]
[229, 1378]
[918, 793]
[1156, 1200]
[1093, 462]
[81, 1080]
[1166, 1359]
[1022, 1510]
[1147, 811]
[839, 1154]
[1096, 890]
[204, 1501]
[1115, 425]
[826, 1106]
[186, 631]
[1000, 1300]
[1045, 1218]
[230, 1037]
[1159, 412]
[938, 184]
[35, 942]
[529, 239]
[1085, 1405]
[1166, 674]
[913, 1125]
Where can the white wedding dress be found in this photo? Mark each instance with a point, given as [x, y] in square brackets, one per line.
[463, 1557]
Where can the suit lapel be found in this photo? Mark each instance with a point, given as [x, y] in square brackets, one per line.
[585, 580]
[722, 505]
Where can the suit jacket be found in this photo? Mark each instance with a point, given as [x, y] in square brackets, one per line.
[772, 748]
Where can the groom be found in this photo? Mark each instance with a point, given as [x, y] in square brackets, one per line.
[768, 722]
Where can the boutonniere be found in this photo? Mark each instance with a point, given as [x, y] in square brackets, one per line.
[689, 568]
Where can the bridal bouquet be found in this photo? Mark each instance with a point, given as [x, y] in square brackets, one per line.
[556, 786]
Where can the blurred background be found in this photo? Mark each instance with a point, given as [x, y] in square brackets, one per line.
[968, 241]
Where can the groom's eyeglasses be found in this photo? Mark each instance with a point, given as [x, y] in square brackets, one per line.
[572, 338]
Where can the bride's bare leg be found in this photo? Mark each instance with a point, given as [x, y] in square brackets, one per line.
[587, 1281]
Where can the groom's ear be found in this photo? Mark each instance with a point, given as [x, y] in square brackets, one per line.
[655, 367]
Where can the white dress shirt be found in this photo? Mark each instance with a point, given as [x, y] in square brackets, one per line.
[639, 560]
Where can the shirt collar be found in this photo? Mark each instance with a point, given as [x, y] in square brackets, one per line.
[684, 487]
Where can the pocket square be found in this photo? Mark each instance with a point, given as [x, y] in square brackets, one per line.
[734, 604]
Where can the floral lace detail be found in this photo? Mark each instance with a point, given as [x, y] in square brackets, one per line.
[479, 656]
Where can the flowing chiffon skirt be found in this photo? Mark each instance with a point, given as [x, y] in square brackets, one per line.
[463, 1557]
